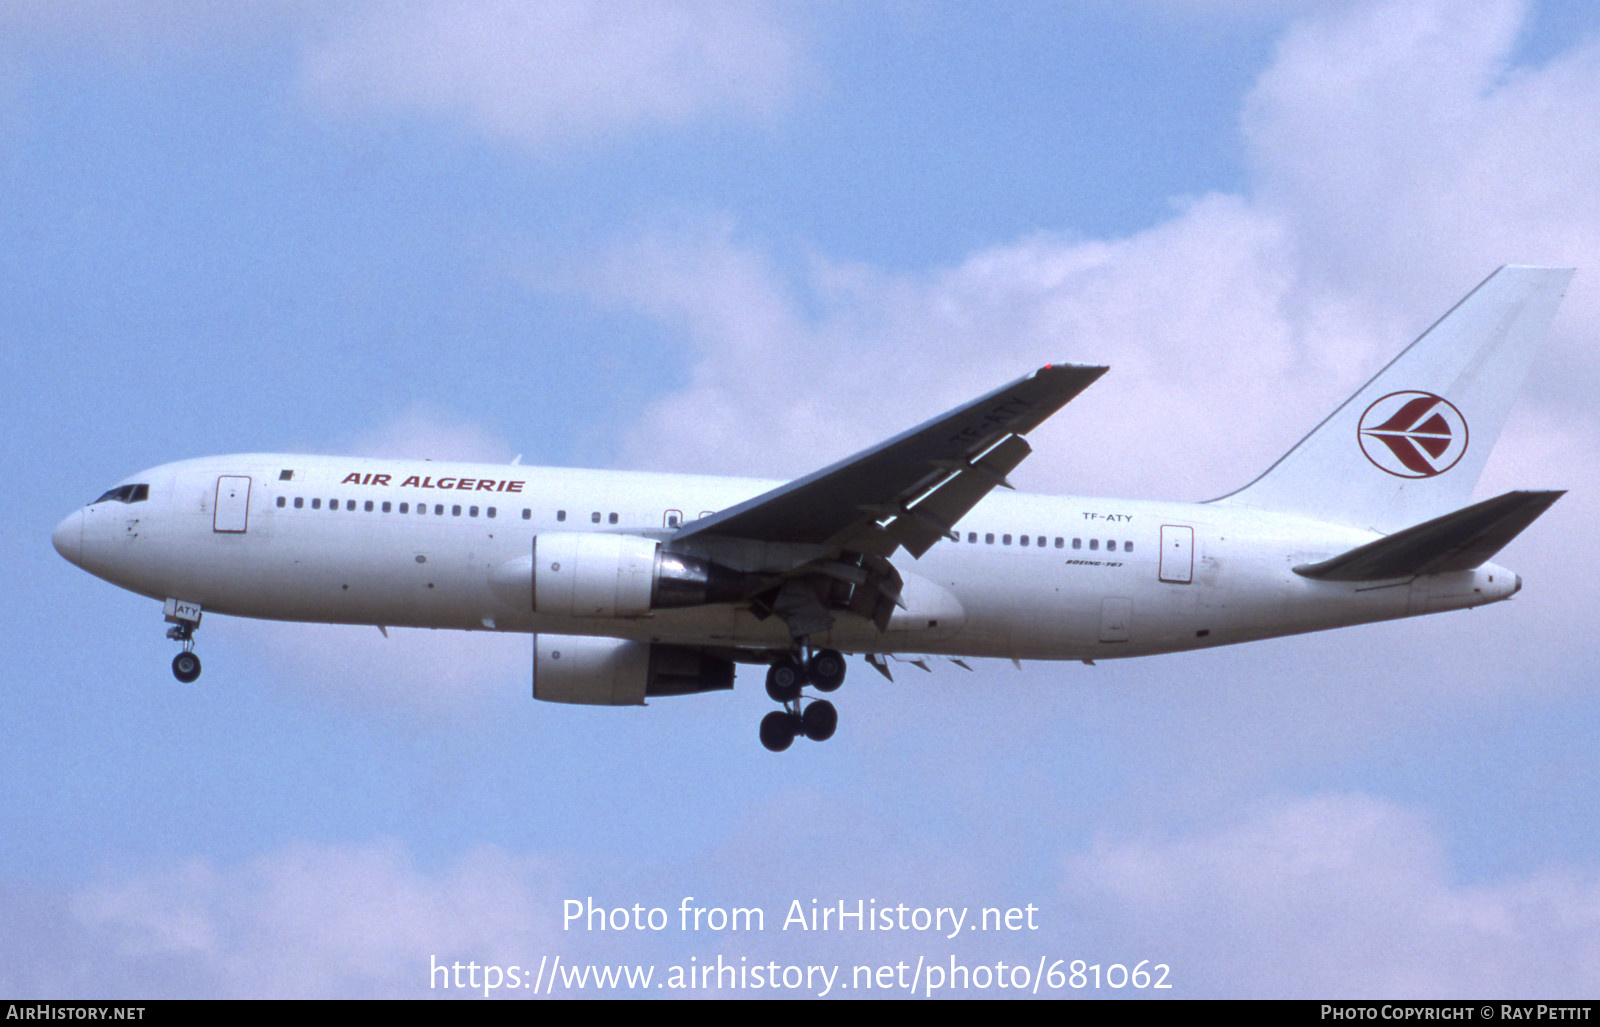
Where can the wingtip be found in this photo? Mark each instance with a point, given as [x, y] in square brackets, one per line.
[1063, 368]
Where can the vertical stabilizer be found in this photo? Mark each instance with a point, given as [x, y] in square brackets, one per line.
[1410, 444]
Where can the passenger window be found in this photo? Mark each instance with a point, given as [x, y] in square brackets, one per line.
[455, 511]
[988, 538]
[1005, 540]
[1077, 543]
[491, 511]
[612, 519]
[1023, 540]
[527, 514]
[350, 505]
[1094, 543]
[368, 507]
[282, 501]
[561, 515]
[472, 511]
[299, 502]
[1127, 547]
[438, 509]
[1041, 541]
[673, 517]
[405, 507]
[316, 504]
[594, 518]
[1111, 544]
[1059, 541]
[972, 536]
[386, 507]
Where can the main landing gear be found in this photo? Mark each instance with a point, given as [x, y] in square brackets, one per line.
[814, 718]
[184, 618]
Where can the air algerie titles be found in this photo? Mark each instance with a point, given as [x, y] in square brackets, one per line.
[420, 482]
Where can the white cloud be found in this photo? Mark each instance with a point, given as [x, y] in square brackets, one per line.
[555, 73]
[1398, 159]
[1339, 896]
[1402, 145]
[547, 75]
[1231, 329]
[322, 921]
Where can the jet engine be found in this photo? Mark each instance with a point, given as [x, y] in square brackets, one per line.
[596, 574]
[613, 672]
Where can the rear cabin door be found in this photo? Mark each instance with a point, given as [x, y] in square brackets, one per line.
[1177, 554]
[232, 512]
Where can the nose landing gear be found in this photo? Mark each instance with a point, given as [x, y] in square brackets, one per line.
[184, 618]
[816, 719]
[186, 667]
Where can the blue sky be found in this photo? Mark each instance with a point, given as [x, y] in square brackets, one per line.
[750, 239]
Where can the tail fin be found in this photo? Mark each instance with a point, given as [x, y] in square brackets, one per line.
[1410, 444]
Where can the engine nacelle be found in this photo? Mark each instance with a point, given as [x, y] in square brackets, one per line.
[613, 672]
[597, 574]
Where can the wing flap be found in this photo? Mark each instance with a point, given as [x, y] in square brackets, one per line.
[1458, 541]
[934, 515]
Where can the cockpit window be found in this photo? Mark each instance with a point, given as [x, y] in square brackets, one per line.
[126, 494]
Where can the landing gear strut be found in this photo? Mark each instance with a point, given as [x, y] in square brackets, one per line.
[184, 618]
[816, 719]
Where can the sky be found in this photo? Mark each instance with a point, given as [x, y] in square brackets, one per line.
[751, 239]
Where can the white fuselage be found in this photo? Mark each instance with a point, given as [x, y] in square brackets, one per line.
[341, 540]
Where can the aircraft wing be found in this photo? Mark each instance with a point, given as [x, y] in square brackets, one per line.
[910, 490]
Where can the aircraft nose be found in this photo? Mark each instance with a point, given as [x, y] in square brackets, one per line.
[68, 537]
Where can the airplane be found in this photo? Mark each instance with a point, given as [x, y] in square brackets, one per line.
[643, 585]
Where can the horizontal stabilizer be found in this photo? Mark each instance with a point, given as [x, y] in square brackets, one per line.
[1457, 541]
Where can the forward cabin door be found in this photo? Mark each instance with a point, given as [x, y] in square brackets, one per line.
[1177, 554]
[231, 515]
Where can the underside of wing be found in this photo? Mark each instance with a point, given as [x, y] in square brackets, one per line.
[1458, 541]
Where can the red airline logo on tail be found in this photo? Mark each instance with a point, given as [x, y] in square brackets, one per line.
[1413, 434]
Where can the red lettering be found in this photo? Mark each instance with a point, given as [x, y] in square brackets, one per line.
[427, 483]
[410, 482]
[485, 486]
[515, 486]
[380, 479]
[351, 479]
[466, 483]
[446, 483]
